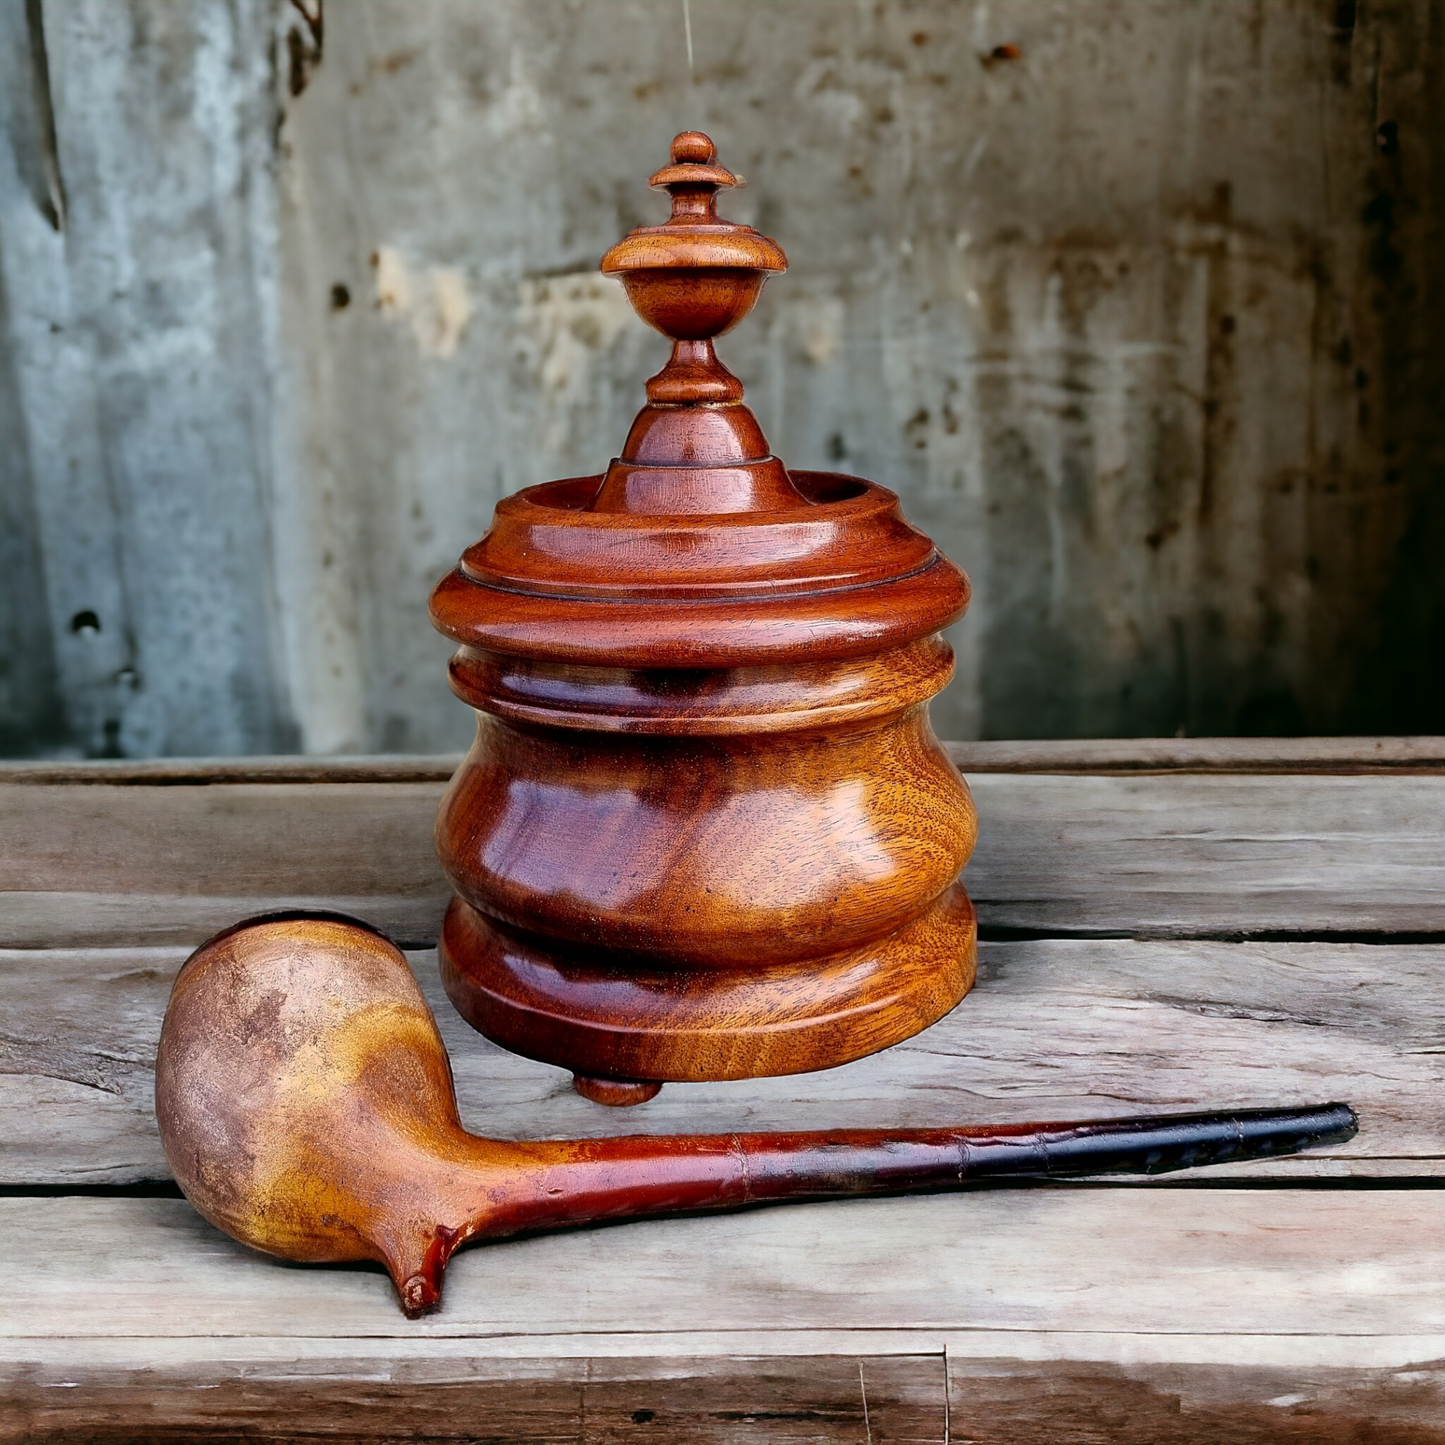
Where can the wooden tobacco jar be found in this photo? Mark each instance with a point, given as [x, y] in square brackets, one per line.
[706, 831]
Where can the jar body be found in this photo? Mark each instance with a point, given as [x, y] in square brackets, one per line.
[707, 874]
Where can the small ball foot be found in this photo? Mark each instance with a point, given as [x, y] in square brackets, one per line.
[616, 1093]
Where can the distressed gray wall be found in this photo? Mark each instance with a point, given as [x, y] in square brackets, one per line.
[1138, 303]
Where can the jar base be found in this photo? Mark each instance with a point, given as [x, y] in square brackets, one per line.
[691, 1024]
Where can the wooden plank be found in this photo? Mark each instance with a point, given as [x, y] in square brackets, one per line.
[691, 1401]
[998, 1401]
[1303, 1263]
[172, 864]
[1173, 855]
[482, 1353]
[1183, 855]
[1005, 1402]
[1054, 1029]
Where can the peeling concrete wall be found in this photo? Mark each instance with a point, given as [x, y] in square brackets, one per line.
[138, 305]
[1138, 303]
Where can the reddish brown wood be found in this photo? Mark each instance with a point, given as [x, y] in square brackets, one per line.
[616, 1093]
[306, 1106]
[705, 831]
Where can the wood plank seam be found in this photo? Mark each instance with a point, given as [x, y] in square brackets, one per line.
[1138, 757]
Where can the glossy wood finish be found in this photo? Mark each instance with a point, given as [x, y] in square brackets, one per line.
[708, 1023]
[705, 831]
[306, 1105]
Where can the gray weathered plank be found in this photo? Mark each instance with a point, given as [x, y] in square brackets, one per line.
[173, 864]
[1190, 855]
[1114, 1261]
[1169, 855]
[1054, 1029]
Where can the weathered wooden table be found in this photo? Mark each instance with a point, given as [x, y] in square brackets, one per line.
[1168, 925]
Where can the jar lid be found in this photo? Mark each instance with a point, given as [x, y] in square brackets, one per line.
[697, 547]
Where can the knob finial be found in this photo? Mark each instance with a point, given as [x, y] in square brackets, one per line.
[728, 265]
[692, 147]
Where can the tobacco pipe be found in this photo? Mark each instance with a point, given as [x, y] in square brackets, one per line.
[306, 1104]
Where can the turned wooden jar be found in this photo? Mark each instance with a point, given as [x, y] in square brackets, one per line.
[705, 831]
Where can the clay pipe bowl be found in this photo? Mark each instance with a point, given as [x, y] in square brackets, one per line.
[306, 1105]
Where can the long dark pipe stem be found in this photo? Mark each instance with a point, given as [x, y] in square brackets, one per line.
[577, 1181]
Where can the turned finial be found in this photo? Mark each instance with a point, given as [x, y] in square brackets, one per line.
[692, 148]
[693, 181]
[695, 276]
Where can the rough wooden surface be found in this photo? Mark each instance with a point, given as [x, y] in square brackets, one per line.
[742, 1401]
[800, 1398]
[1241, 1262]
[950, 1394]
[174, 864]
[1171, 855]
[898, 1398]
[1304, 1306]
[1218, 855]
[1007, 1403]
[1054, 1029]
[1065, 1314]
